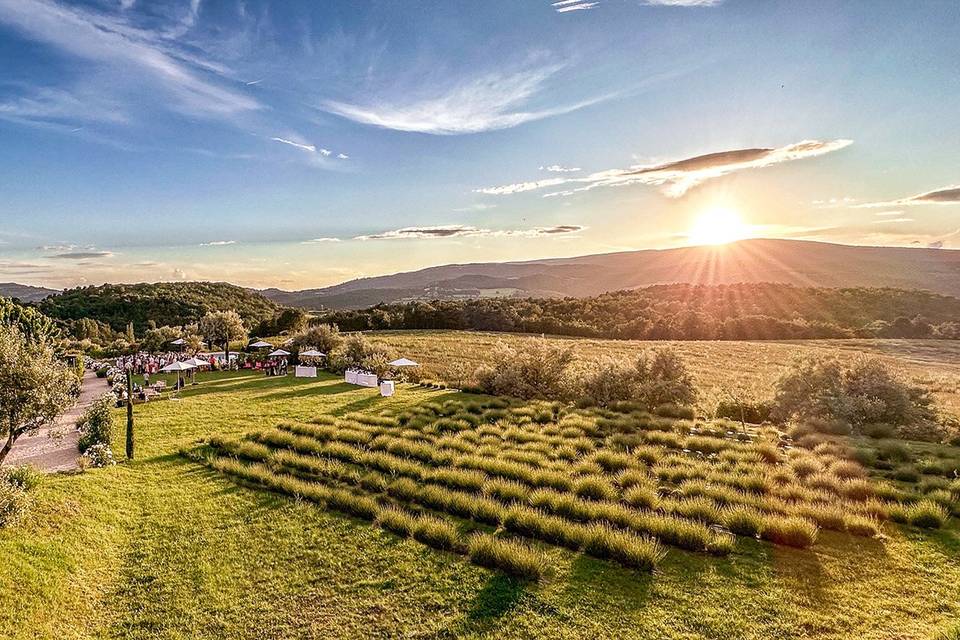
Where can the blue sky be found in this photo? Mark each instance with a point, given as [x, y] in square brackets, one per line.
[299, 144]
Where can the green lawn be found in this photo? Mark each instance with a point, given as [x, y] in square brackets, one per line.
[164, 547]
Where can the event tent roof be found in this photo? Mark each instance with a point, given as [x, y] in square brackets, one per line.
[403, 362]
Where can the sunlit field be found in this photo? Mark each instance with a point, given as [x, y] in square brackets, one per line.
[717, 365]
[278, 508]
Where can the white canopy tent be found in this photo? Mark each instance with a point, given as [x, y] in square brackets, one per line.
[403, 362]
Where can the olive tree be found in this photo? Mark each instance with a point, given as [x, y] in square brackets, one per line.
[220, 328]
[35, 386]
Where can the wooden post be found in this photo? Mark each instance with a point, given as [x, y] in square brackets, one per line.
[129, 414]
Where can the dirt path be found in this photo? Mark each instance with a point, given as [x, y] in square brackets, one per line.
[54, 447]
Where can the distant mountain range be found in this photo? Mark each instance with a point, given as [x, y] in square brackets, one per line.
[797, 262]
[24, 293]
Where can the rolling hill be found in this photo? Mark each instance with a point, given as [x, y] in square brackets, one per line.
[24, 293]
[797, 262]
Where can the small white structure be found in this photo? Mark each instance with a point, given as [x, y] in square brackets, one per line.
[303, 371]
[387, 388]
[350, 376]
[403, 362]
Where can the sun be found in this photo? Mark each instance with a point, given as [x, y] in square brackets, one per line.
[719, 225]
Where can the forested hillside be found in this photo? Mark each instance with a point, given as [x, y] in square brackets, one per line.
[686, 312]
[164, 303]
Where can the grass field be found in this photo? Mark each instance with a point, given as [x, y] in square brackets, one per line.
[716, 364]
[168, 547]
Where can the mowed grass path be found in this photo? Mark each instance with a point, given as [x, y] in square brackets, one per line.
[164, 548]
[717, 365]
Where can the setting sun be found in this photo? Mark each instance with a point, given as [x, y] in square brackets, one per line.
[718, 226]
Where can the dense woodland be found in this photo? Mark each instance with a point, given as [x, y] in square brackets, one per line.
[96, 313]
[685, 312]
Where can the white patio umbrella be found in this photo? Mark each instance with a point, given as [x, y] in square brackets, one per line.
[311, 353]
[179, 342]
[403, 362]
[179, 367]
[198, 362]
[278, 353]
[259, 344]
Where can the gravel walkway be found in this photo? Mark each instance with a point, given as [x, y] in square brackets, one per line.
[54, 447]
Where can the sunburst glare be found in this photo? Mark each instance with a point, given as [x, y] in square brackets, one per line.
[719, 225]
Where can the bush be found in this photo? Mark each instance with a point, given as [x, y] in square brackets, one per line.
[664, 379]
[927, 514]
[750, 411]
[98, 455]
[509, 556]
[607, 381]
[535, 368]
[13, 503]
[24, 477]
[864, 393]
[96, 423]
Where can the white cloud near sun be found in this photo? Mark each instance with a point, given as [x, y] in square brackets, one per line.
[679, 176]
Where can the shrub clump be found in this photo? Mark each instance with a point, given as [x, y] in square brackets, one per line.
[535, 368]
[863, 393]
[742, 520]
[96, 423]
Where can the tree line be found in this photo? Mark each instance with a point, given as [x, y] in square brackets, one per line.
[684, 312]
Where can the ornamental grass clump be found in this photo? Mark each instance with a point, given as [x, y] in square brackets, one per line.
[927, 514]
[435, 532]
[742, 520]
[790, 531]
[862, 526]
[642, 497]
[509, 556]
[396, 520]
[635, 552]
[595, 487]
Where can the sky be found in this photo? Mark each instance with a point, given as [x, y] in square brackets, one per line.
[298, 144]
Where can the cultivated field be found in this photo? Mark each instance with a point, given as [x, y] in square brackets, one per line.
[717, 365]
[211, 544]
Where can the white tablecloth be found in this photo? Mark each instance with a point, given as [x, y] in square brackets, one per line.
[367, 379]
[386, 388]
[351, 376]
[305, 372]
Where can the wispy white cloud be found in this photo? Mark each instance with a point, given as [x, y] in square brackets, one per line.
[892, 220]
[299, 145]
[565, 6]
[496, 100]
[133, 55]
[679, 176]
[942, 196]
[320, 240]
[459, 231]
[559, 168]
[218, 243]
